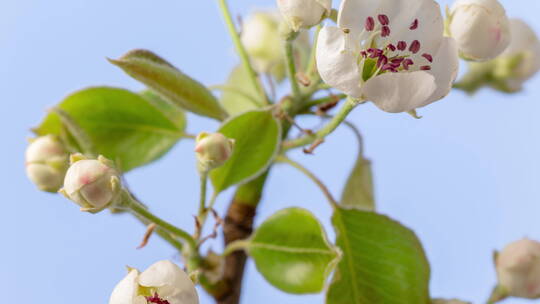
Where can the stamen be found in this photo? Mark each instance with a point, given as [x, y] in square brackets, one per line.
[383, 60]
[390, 67]
[402, 45]
[415, 47]
[414, 25]
[363, 53]
[397, 61]
[407, 63]
[425, 68]
[428, 57]
[374, 53]
[370, 24]
[391, 47]
[385, 31]
[156, 300]
[383, 19]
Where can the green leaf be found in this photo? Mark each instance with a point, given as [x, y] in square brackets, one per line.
[170, 83]
[257, 136]
[239, 95]
[291, 251]
[358, 191]
[122, 126]
[175, 114]
[383, 261]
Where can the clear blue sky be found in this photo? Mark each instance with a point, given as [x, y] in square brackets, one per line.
[465, 177]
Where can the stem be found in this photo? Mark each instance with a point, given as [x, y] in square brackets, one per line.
[312, 65]
[235, 246]
[246, 63]
[311, 176]
[324, 131]
[141, 211]
[323, 100]
[201, 217]
[291, 67]
[162, 233]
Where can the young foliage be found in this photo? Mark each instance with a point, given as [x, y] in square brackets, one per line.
[257, 136]
[170, 83]
[238, 93]
[383, 261]
[121, 125]
[358, 191]
[292, 252]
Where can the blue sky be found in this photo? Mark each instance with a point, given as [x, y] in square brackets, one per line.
[465, 177]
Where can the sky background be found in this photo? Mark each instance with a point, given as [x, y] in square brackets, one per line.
[465, 177]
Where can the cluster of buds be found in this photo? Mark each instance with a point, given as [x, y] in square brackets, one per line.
[94, 184]
[518, 270]
[480, 28]
[162, 283]
[47, 162]
[213, 150]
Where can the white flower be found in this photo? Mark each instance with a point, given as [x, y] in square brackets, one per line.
[92, 184]
[518, 269]
[213, 150]
[391, 52]
[46, 163]
[262, 40]
[304, 13]
[521, 60]
[480, 27]
[162, 283]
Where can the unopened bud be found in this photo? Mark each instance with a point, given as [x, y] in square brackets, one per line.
[304, 13]
[518, 269]
[213, 150]
[92, 184]
[46, 163]
[480, 28]
[262, 40]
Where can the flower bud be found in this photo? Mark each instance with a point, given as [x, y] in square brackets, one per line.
[304, 13]
[453, 301]
[46, 163]
[480, 28]
[262, 39]
[521, 60]
[213, 150]
[92, 184]
[163, 282]
[518, 269]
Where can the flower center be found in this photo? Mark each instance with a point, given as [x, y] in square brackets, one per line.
[389, 57]
[156, 299]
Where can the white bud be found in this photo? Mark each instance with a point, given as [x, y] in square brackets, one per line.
[46, 162]
[480, 28]
[92, 184]
[304, 13]
[262, 40]
[518, 269]
[163, 282]
[521, 60]
[213, 150]
[453, 301]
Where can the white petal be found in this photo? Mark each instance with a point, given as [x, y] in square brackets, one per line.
[125, 291]
[353, 13]
[172, 282]
[337, 61]
[445, 69]
[399, 92]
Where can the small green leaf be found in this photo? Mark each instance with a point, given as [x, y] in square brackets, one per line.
[383, 261]
[122, 126]
[291, 251]
[358, 191]
[175, 114]
[239, 95]
[170, 83]
[257, 136]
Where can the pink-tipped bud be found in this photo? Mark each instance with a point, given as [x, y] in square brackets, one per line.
[213, 150]
[46, 163]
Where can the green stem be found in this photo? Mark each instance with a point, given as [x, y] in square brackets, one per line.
[162, 233]
[240, 49]
[311, 176]
[324, 131]
[291, 68]
[202, 194]
[312, 64]
[141, 211]
[235, 246]
[323, 100]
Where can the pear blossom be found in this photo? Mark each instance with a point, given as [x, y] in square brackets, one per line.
[46, 162]
[213, 150]
[480, 27]
[92, 184]
[518, 269]
[391, 52]
[162, 283]
[521, 60]
[304, 13]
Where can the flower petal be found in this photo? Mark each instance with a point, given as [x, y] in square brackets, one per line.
[399, 92]
[126, 290]
[445, 69]
[353, 13]
[337, 61]
[172, 282]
